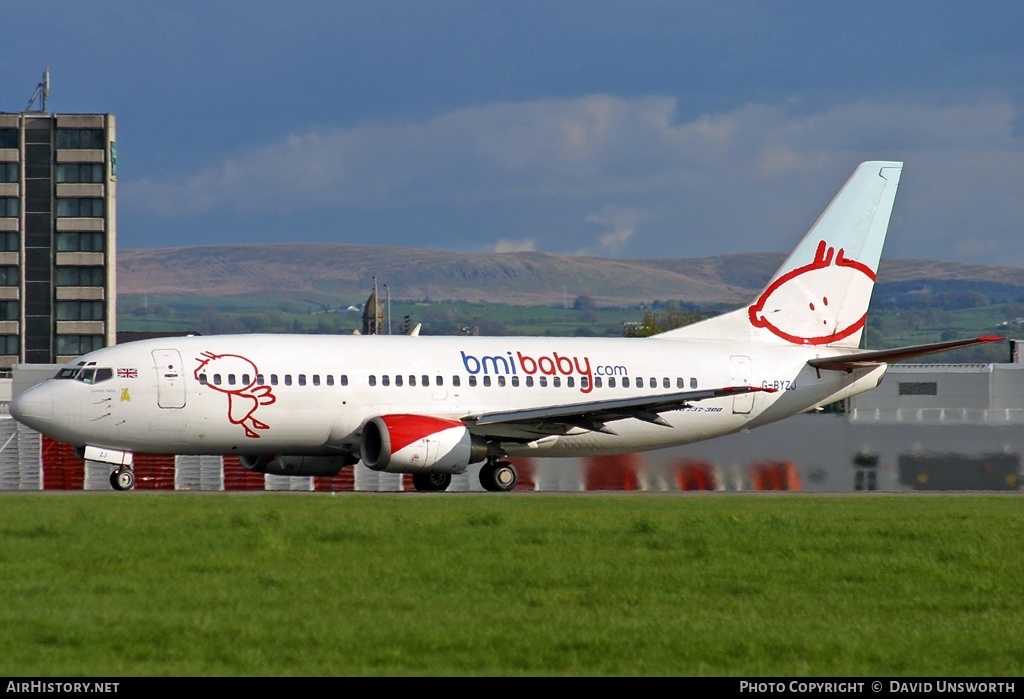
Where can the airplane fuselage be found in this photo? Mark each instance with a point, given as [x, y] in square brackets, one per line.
[311, 395]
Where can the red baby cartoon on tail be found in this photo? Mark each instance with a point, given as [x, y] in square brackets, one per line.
[799, 306]
[245, 396]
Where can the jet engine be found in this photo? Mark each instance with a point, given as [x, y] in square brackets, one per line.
[297, 465]
[419, 444]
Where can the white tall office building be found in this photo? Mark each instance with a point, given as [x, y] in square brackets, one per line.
[58, 233]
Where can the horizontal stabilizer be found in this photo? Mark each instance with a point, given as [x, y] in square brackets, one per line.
[870, 358]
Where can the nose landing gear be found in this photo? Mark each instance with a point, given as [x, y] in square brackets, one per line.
[122, 479]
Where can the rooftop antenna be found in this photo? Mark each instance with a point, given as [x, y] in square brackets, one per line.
[41, 94]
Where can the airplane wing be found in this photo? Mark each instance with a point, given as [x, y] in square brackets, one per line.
[558, 419]
[870, 358]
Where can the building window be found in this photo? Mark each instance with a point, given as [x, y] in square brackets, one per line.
[9, 310]
[8, 172]
[9, 241]
[8, 207]
[80, 207]
[80, 138]
[8, 344]
[8, 275]
[80, 172]
[9, 138]
[918, 388]
[79, 310]
[92, 241]
[80, 344]
[80, 276]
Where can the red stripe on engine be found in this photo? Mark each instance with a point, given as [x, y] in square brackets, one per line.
[406, 429]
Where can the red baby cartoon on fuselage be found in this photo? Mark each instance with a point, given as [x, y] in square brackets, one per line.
[797, 307]
[243, 398]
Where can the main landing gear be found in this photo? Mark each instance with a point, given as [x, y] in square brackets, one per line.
[122, 478]
[496, 476]
[431, 482]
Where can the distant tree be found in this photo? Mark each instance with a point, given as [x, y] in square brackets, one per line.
[654, 323]
[583, 303]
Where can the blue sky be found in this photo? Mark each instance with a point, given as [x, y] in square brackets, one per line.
[621, 129]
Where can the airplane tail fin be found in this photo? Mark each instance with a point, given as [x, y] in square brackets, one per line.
[820, 295]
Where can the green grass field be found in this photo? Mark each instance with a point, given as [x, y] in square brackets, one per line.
[297, 584]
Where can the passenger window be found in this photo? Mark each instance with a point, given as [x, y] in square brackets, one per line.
[597, 382]
[456, 381]
[570, 382]
[665, 383]
[654, 382]
[231, 379]
[245, 379]
[260, 379]
[472, 381]
[557, 382]
[329, 378]
[584, 381]
[344, 379]
[398, 379]
[487, 381]
[529, 382]
[501, 381]
[316, 379]
[439, 380]
[515, 382]
[611, 382]
[385, 380]
[679, 383]
[693, 383]
[302, 379]
[373, 380]
[216, 380]
[287, 379]
[425, 380]
[202, 379]
[273, 379]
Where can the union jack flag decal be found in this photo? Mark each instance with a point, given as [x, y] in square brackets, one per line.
[127, 373]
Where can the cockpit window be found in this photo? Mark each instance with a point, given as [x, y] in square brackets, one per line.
[89, 375]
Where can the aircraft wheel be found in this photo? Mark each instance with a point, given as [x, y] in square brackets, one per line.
[500, 476]
[122, 479]
[431, 482]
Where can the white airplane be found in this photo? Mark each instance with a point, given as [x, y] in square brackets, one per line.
[431, 406]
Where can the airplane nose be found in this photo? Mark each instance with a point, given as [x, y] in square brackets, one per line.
[34, 407]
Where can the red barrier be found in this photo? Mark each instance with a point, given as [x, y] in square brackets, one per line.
[62, 470]
[774, 475]
[618, 472]
[153, 472]
[238, 477]
[344, 482]
[696, 475]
